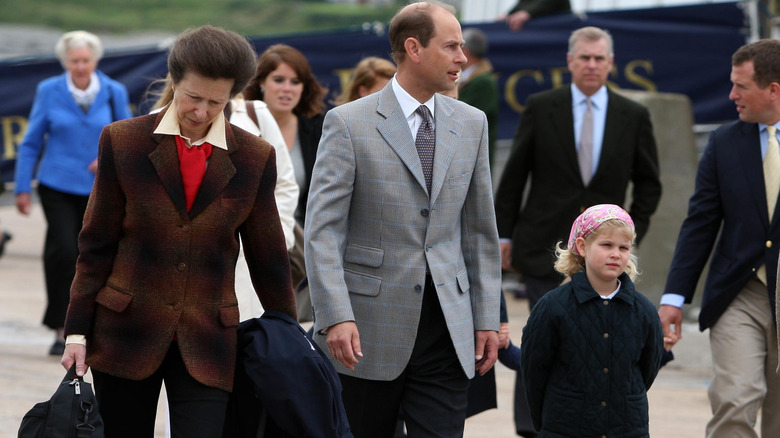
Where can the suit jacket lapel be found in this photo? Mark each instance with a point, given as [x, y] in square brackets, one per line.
[614, 125]
[447, 137]
[219, 172]
[395, 131]
[165, 159]
[562, 119]
[753, 168]
[64, 94]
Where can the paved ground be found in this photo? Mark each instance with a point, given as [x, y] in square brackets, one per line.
[678, 399]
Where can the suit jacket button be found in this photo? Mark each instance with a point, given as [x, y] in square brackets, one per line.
[185, 227]
[177, 306]
[182, 266]
[417, 288]
[768, 243]
[424, 212]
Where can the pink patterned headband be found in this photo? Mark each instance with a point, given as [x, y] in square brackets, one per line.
[592, 218]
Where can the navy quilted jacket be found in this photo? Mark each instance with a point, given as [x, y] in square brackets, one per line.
[587, 362]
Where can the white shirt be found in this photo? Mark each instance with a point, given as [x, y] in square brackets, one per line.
[599, 102]
[409, 107]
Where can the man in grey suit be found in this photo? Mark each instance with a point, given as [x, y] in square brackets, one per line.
[401, 240]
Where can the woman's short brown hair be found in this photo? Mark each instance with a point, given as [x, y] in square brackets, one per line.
[312, 99]
[214, 53]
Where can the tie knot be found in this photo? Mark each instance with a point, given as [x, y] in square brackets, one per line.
[771, 130]
[424, 112]
[588, 102]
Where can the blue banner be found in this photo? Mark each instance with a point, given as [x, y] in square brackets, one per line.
[675, 49]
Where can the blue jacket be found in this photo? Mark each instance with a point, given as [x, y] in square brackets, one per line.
[63, 138]
[588, 362]
[283, 374]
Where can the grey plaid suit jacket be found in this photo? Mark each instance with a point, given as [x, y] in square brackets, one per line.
[372, 228]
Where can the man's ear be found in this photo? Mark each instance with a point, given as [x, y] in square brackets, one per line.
[412, 46]
[774, 91]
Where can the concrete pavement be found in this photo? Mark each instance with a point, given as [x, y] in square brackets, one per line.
[678, 399]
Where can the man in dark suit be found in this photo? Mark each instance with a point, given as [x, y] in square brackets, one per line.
[546, 147]
[401, 243]
[735, 197]
[565, 177]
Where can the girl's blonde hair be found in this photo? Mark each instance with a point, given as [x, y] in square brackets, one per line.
[568, 263]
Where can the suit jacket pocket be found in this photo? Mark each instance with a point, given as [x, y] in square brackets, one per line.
[363, 255]
[229, 315]
[461, 179]
[463, 280]
[113, 299]
[362, 284]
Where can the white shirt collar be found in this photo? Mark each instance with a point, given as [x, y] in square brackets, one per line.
[169, 125]
[612, 295]
[84, 97]
[408, 103]
[598, 99]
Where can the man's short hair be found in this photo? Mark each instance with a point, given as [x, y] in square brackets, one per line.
[413, 21]
[475, 41]
[765, 55]
[590, 33]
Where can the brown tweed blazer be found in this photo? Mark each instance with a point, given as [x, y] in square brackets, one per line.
[147, 269]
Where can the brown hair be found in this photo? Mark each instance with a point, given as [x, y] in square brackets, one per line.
[214, 53]
[765, 55]
[365, 75]
[312, 99]
[413, 21]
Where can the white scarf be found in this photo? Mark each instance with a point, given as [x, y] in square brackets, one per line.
[84, 98]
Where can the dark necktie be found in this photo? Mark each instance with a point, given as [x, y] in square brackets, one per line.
[192, 163]
[426, 144]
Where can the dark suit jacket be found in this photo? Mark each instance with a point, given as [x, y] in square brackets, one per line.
[544, 149]
[148, 270]
[729, 198]
[309, 133]
[283, 373]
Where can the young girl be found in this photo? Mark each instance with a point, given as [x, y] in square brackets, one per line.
[593, 346]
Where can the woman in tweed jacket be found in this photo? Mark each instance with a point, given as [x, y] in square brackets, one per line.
[153, 300]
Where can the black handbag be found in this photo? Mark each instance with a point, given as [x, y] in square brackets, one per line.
[72, 412]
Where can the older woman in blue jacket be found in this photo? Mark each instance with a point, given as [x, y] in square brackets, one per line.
[61, 142]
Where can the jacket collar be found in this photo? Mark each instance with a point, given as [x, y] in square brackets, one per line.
[583, 291]
[219, 172]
